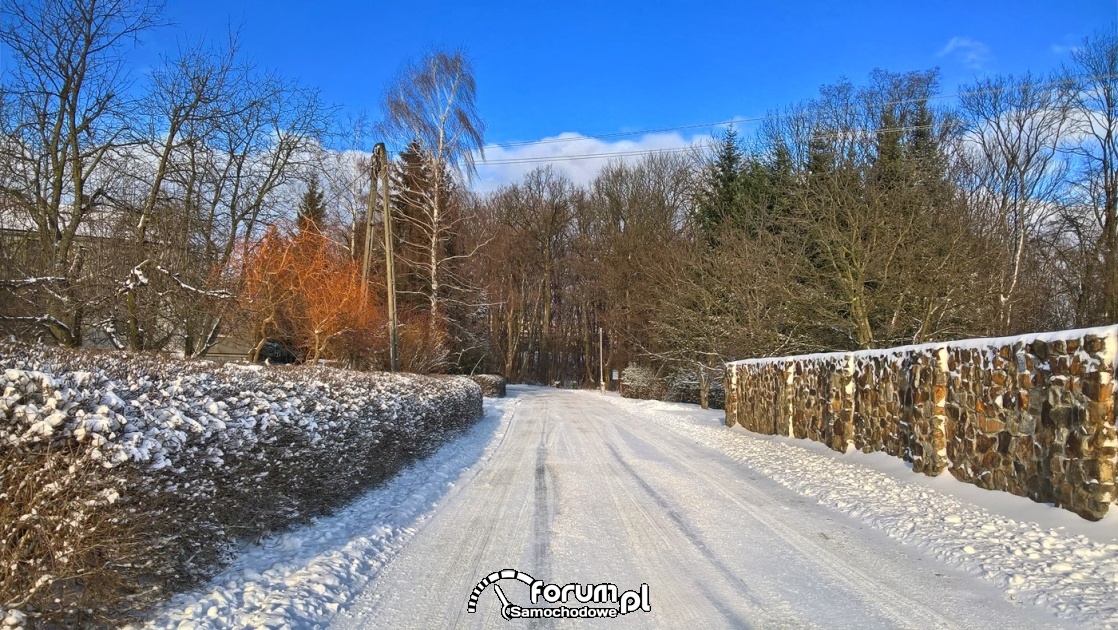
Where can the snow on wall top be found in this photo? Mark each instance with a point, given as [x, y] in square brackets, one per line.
[1109, 334]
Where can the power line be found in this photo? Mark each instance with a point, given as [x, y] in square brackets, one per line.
[586, 156]
[620, 134]
[690, 147]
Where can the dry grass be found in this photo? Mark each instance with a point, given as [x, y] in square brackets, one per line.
[71, 548]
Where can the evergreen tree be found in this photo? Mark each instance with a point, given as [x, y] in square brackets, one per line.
[890, 152]
[721, 191]
[312, 208]
[411, 188]
[782, 185]
[820, 157]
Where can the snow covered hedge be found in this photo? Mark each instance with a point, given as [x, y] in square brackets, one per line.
[684, 387]
[126, 477]
[642, 382]
[492, 385]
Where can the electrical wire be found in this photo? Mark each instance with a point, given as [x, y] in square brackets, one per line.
[690, 147]
[619, 134]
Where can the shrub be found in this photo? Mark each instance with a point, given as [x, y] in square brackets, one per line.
[683, 386]
[492, 385]
[638, 381]
[126, 477]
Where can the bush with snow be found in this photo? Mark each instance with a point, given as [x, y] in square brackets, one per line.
[127, 477]
[638, 381]
[492, 385]
[683, 386]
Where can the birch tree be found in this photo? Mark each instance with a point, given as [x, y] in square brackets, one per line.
[431, 106]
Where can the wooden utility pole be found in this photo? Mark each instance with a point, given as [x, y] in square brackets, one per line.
[380, 157]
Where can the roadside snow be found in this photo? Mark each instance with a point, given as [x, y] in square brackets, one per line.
[302, 578]
[1068, 574]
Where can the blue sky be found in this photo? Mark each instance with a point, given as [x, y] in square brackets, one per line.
[599, 67]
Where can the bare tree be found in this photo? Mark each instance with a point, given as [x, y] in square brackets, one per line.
[343, 168]
[542, 214]
[1013, 131]
[1093, 89]
[634, 215]
[215, 155]
[432, 106]
[180, 111]
[65, 111]
[721, 302]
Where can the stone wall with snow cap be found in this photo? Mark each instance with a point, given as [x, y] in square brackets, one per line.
[1033, 415]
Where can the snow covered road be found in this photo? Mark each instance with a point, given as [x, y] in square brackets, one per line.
[576, 487]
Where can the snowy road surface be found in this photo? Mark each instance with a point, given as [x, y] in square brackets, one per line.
[584, 488]
[727, 528]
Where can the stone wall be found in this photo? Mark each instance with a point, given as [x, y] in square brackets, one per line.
[1032, 415]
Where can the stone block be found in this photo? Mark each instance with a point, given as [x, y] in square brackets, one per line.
[1021, 424]
[1022, 449]
[990, 425]
[1040, 350]
[984, 444]
[1093, 344]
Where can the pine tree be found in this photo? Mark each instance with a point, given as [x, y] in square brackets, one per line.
[410, 190]
[890, 153]
[720, 198]
[312, 208]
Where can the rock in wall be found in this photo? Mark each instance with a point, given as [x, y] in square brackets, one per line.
[1032, 415]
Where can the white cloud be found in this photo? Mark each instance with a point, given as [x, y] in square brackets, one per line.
[972, 53]
[508, 164]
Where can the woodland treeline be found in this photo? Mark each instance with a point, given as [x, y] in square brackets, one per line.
[211, 200]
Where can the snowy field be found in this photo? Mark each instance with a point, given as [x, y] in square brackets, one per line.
[727, 528]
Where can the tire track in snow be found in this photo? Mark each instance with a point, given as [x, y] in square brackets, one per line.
[899, 607]
[773, 612]
[1068, 576]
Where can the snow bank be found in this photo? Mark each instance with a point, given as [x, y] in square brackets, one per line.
[149, 472]
[1068, 574]
[1033, 415]
[303, 577]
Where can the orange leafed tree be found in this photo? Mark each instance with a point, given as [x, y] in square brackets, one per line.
[332, 304]
[268, 293]
[304, 290]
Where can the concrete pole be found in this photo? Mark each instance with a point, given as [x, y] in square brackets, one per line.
[369, 209]
[381, 157]
[601, 361]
